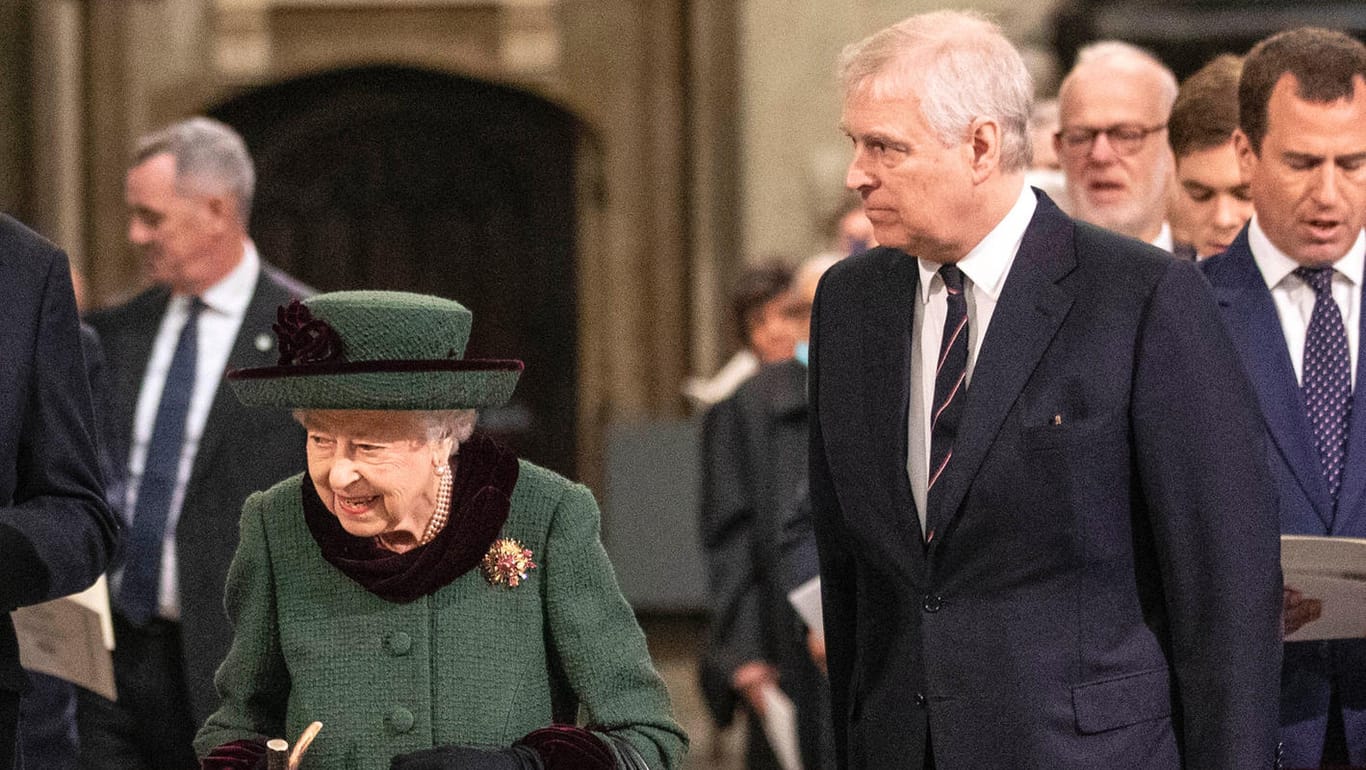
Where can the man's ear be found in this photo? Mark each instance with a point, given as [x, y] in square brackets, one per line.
[222, 211]
[984, 139]
[1247, 155]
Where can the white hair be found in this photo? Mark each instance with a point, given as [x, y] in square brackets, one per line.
[437, 424]
[1120, 53]
[966, 69]
[457, 424]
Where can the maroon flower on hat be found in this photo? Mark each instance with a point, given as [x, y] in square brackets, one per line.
[303, 338]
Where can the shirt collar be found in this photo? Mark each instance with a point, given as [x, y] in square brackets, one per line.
[988, 262]
[232, 293]
[1275, 265]
[1164, 238]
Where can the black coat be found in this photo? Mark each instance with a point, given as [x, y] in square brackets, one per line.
[754, 471]
[56, 531]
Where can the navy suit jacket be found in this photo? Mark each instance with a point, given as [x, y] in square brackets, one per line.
[242, 450]
[1102, 588]
[1306, 507]
[56, 532]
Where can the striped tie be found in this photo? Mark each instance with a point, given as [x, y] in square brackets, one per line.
[949, 380]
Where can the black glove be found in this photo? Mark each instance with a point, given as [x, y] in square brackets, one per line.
[466, 758]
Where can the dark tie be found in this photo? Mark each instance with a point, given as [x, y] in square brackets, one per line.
[142, 559]
[1327, 376]
[950, 383]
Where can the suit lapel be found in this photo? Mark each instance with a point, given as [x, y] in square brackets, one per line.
[1351, 516]
[254, 334]
[1256, 328]
[886, 389]
[1031, 308]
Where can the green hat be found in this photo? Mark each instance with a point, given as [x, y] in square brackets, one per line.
[376, 350]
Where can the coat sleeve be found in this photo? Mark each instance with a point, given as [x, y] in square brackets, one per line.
[253, 682]
[735, 600]
[1201, 463]
[596, 638]
[57, 532]
[839, 596]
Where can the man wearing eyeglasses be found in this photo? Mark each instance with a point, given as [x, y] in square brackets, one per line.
[1113, 109]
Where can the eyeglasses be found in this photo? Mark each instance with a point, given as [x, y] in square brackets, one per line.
[1124, 139]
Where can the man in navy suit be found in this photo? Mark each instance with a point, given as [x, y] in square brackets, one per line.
[56, 532]
[1037, 472]
[188, 192]
[1290, 288]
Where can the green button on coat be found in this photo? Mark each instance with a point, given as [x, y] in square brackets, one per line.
[398, 643]
[400, 720]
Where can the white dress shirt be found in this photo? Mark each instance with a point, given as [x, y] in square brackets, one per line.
[1295, 299]
[225, 304]
[984, 269]
[1164, 239]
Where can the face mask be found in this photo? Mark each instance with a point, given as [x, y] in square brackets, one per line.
[800, 352]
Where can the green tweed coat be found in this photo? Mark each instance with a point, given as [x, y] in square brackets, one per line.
[471, 664]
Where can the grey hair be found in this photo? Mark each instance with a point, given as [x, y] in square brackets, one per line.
[210, 157]
[1103, 51]
[966, 68]
[457, 424]
[438, 424]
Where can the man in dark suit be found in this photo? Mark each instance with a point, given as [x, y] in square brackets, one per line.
[192, 452]
[47, 712]
[56, 532]
[1036, 466]
[1290, 288]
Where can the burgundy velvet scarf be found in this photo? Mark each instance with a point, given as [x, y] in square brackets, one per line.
[481, 495]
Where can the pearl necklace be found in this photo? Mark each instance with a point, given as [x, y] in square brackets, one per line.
[443, 506]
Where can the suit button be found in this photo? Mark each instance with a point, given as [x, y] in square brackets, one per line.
[400, 720]
[398, 643]
[920, 699]
[933, 603]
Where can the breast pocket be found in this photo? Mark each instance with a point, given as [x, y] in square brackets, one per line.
[1056, 432]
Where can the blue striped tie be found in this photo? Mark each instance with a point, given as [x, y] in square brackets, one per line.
[142, 559]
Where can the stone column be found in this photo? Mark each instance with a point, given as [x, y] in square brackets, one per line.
[58, 160]
[623, 72]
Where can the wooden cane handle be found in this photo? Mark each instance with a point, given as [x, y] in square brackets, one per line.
[301, 745]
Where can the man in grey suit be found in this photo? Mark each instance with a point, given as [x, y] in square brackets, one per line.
[192, 452]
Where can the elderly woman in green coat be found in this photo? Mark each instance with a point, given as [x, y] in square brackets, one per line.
[431, 600]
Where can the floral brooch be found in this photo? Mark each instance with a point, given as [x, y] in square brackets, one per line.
[507, 563]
